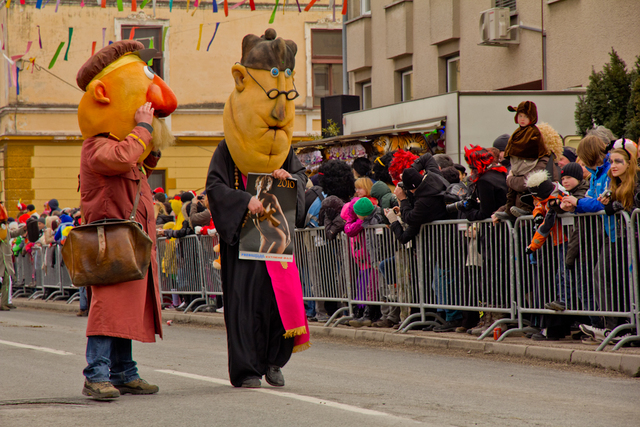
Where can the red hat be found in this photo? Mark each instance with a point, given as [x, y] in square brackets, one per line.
[3, 213]
[158, 190]
[22, 206]
[23, 218]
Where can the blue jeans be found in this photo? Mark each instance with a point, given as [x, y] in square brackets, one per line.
[109, 359]
[83, 298]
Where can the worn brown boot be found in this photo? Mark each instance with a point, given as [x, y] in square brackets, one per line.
[138, 386]
[100, 391]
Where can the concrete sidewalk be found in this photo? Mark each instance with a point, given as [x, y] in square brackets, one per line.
[626, 360]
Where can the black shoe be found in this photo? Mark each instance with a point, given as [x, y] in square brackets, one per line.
[428, 328]
[274, 376]
[448, 326]
[252, 382]
[541, 337]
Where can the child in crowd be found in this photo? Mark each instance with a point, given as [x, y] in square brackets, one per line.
[359, 213]
[363, 189]
[576, 186]
[524, 150]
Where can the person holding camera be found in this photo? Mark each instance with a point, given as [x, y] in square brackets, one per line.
[426, 204]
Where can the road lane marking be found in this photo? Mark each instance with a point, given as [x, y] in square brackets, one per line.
[37, 348]
[308, 399]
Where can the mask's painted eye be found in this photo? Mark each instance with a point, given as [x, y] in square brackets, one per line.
[287, 72]
[149, 72]
[3, 226]
[275, 72]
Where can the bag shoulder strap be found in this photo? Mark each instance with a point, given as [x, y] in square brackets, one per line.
[135, 204]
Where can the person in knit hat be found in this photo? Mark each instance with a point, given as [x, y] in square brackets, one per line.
[569, 155]
[363, 208]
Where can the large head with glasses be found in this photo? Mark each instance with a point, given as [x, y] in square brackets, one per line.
[259, 114]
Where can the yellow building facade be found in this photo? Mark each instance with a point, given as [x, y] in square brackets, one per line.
[40, 140]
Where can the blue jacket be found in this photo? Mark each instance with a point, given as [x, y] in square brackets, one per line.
[598, 184]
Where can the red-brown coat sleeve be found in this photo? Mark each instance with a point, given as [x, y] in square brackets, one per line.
[112, 157]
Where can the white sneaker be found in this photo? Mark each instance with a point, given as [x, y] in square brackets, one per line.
[220, 310]
[597, 334]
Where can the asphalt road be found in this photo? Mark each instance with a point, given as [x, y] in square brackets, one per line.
[335, 383]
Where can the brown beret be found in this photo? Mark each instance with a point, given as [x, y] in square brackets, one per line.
[267, 52]
[104, 57]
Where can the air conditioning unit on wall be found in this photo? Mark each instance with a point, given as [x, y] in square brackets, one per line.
[494, 27]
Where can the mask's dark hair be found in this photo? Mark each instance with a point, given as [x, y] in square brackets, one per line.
[336, 179]
[381, 168]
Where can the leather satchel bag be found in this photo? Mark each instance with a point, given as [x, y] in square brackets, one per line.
[108, 251]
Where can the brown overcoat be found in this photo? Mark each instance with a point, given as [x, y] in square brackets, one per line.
[109, 178]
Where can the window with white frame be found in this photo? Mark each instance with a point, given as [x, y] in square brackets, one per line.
[151, 38]
[453, 73]
[326, 61]
[365, 7]
[366, 96]
[405, 86]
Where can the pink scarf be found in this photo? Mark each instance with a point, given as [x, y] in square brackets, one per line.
[288, 291]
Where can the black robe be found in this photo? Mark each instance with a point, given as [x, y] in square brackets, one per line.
[254, 328]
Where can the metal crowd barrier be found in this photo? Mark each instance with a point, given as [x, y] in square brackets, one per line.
[602, 282]
[180, 271]
[23, 281]
[320, 262]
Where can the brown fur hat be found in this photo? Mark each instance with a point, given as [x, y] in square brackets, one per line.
[528, 108]
[268, 51]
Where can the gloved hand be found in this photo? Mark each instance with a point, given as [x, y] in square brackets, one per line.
[391, 215]
[538, 220]
[471, 203]
[613, 207]
[529, 251]
[197, 229]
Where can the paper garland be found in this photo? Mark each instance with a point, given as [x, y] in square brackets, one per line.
[132, 34]
[310, 5]
[39, 38]
[144, 3]
[214, 36]
[151, 46]
[57, 5]
[93, 48]
[273, 14]
[120, 6]
[199, 37]
[55, 57]
[215, 6]
[66, 55]
[134, 6]
[104, 31]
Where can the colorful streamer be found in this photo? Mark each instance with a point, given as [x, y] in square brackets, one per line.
[188, 2]
[82, 3]
[196, 3]
[215, 6]
[226, 8]
[273, 14]
[144, 3]
[104, 31]
[66, 54]
[237, 5]
[8, 4]
[120, 7]
[104, 4]
[252, 5]
[214, 36]
[22, 2]
[310, 5]
[199, 37]
[2, 34]
[39, 38]
[55, 57]
[344, 7]
[164, 36]
[132, 34]
[93, 48]
[57, 5]
[134, 6]
[170, 5]
[151, 46]
[300, 10]
[39, 4]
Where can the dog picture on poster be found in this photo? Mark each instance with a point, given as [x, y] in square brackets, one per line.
[269, 236]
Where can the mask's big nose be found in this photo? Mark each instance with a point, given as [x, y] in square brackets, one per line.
[162, 98]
